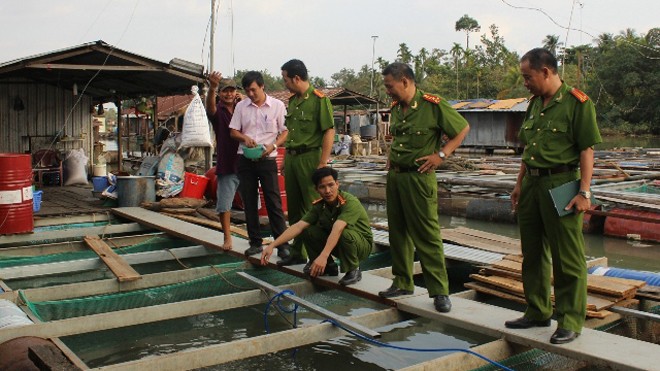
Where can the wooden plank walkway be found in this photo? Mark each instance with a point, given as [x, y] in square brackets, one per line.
[592, 346]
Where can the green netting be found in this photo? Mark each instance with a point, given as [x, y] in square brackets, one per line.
[377, 260]
[646, 188]
[60, 227]
[152, 244]
[224, 282]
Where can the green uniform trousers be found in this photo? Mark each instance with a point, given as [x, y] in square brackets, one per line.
[351, 249]
[412, 214]
[300, 191]
[544, 235]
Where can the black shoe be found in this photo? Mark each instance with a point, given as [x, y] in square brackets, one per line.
[253, 250]
[442, 303]
[291, 260]
[393, 292]
[330, 269]
[524, 322]
[563, 336]
[283, 252]
[351, 277]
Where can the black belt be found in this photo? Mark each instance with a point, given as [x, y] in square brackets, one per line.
[298, 151]
[259, 159]
[404, 169]
[535, 171]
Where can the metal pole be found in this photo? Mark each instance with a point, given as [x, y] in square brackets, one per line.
[314, 308]
[373, 56]
[212, 38]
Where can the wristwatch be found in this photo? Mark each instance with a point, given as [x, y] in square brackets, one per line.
[442, 155]
[274, 146]
[585, 194]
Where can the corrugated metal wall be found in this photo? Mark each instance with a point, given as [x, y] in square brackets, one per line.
[48, 111]
[493, 129]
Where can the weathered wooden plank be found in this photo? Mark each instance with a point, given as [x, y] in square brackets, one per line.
[509, 265]
[496, 350]
[76, 233]
[121, 269]
[592, 346]
[49, 357]
[616, 288]
[252, 347]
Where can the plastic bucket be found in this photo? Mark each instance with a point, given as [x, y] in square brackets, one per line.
[133, 190]
[36, 201]
[16, 214]
[194, 185]
[100, 183]
[100, 170]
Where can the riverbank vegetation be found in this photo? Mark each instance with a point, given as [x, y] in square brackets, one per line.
[621, 73]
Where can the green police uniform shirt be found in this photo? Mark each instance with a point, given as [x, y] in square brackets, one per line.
[556, 134]
[307, 118]
[349, 209]
[418, 132]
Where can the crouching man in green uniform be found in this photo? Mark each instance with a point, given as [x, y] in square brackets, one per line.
[559, 132]
[417, 124]
[336, 224]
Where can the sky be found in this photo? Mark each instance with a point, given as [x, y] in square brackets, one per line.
[326, 35]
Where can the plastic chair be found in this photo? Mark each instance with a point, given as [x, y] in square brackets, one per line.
[47, 161]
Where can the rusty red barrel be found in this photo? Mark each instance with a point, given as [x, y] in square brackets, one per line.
[15, 193]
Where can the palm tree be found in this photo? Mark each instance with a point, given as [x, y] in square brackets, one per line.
[456, 52]
[404, 54]
[467, 24]
[551, 42]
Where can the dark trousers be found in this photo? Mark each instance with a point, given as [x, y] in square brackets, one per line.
[250, 174]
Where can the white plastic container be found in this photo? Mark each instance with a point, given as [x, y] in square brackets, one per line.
[100, 170]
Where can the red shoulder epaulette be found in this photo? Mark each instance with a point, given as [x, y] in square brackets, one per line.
[394, 103]
[432, 98]
[579, 95]
[317, 201]
[342, 200]
[318, 93]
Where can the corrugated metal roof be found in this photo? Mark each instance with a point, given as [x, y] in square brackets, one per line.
[105, 71]
[506, 103]
[338, 96]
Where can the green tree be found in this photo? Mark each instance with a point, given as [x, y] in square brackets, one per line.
[467, 24]
[404, 54]
[271, 83]
[551, 42]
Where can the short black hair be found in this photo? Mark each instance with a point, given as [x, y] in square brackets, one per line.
[399, 70]
[539, 58]
[250, 77]
[323, 172]
[296, 67]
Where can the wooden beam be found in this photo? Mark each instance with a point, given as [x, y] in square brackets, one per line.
[121, 269]
[458, 361]
[252, 347]
[75, 233]
[68, 246]
[95, 263]
[92, 67]
[86, 218]
[137, 316]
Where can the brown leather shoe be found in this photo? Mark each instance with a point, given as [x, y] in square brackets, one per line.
[524, 322]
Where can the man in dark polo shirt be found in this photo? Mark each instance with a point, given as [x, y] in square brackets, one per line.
[220, 114]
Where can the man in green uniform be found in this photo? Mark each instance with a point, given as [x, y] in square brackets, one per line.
[336, 224]
[311, 135]
[417, 124]
[559, 132]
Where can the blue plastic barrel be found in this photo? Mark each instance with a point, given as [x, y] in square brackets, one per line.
[100, 183]
[652, 279]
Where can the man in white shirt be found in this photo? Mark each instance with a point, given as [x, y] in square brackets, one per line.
[259, 121]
